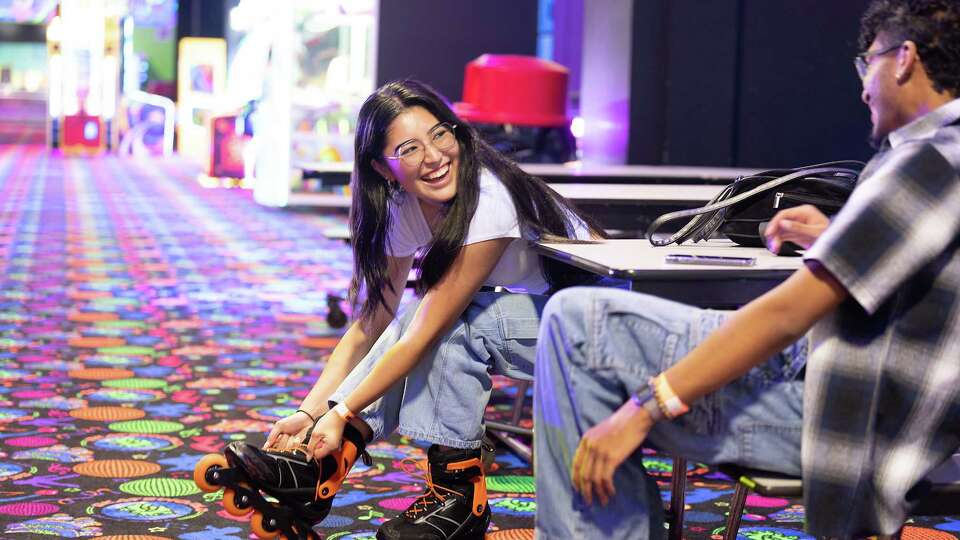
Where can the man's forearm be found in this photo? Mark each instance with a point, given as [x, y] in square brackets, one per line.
[754, 333]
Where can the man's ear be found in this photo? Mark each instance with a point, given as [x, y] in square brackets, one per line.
[907, 61]
[382, 170]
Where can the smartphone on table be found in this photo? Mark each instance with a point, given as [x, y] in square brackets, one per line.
[709, 260]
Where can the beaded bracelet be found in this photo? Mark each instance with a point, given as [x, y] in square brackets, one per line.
[671, 404]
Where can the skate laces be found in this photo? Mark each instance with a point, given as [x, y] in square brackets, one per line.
[430, 497]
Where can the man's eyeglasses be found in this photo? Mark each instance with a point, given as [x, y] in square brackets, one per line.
[412, 153]
[861, 62]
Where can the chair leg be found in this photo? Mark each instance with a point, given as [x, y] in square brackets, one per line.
[518, 400]
[736, 512]
[501, 432]
[504, 432]
[678, 486]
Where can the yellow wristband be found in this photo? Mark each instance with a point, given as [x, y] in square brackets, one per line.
[669, 402]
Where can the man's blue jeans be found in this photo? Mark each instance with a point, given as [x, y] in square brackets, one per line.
[595, 348]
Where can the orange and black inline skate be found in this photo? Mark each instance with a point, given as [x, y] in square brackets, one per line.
[302, 486]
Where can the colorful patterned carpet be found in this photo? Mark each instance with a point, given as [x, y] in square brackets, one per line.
[146, 321]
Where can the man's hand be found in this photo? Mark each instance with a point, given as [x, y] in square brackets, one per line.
[604, 447]
[801, 225]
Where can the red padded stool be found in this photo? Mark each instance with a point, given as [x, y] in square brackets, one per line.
[518, 104]
[513, 89]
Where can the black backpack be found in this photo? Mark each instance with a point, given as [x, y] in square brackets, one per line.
[740, 209]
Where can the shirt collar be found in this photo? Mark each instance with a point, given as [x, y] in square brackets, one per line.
[928, 124]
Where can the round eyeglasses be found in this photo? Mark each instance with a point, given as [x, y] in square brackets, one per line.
[412, 153]
[860, 60]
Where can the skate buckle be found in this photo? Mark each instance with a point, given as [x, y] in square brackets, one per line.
[344, 459]
[478, 481]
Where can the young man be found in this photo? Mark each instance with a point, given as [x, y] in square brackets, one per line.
[879, 403]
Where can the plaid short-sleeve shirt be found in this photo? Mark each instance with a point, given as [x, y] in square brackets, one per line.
[882, 391]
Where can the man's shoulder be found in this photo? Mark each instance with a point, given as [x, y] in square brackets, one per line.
[938, 154]
[947, 142]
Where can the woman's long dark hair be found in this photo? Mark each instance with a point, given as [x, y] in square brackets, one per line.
[539, 208]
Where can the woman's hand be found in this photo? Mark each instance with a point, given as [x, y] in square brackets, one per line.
[801, 225]
[326, 435]
[287, 434]
[604, 447]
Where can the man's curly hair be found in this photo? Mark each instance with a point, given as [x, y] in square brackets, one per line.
[934, 25]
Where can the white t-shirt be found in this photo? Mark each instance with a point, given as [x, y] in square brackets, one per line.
[519, 269]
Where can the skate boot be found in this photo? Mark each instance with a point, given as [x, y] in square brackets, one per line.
[303, 487]
[454, 507]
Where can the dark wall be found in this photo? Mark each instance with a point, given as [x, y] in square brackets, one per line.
[433, 40]
[750, 83]
[202, 18]
[799, 100]
[24, 33]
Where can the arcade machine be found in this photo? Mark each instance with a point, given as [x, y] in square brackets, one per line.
[518, 104]
[230, 127]
[319, 70]
[201, 81]
[214, 125]
[83, 44]
[23, 71]
[145, 123]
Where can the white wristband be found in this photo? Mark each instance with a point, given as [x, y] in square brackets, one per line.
[343, 412]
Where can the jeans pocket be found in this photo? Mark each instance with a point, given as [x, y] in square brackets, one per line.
[771, 447]
[635, 342]
[520, 344]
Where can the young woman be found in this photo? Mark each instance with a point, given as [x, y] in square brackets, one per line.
[427, 192]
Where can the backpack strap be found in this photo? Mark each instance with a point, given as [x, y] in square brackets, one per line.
[721, 201]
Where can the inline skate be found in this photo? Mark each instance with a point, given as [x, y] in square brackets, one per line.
[454, 505]
[302, 487]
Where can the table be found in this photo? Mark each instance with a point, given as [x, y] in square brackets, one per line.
[624, 199]
[644, 266]
[653, 194]
[683, 195]
[575, 172]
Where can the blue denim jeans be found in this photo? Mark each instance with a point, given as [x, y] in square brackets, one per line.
[443, 399]
[596, 347]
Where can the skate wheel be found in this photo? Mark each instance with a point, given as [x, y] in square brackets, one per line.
[234, 503]
[260, 527]
[207, 463]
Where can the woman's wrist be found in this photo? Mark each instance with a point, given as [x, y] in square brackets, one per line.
[307, 413]
[343, 412]
[312, 409]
